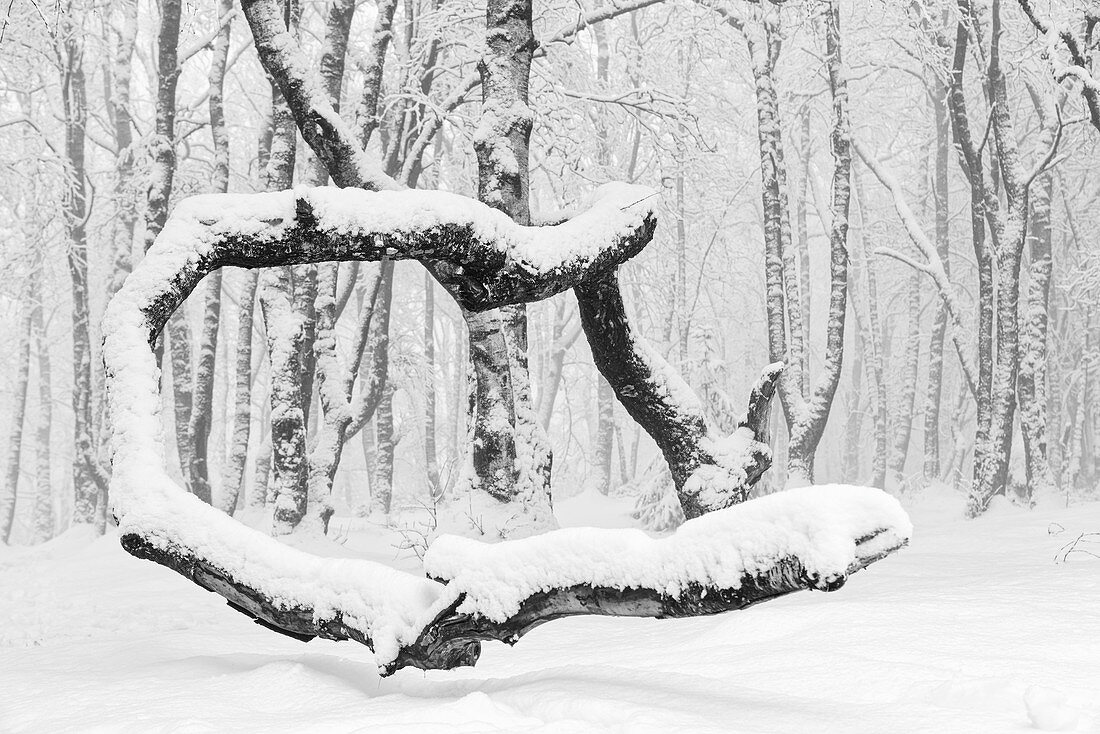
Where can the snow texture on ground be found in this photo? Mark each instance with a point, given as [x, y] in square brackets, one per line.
[974, 628]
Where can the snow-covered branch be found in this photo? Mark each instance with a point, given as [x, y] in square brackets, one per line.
[330, 137]
[1079, 66]
[480, 255]
[204, 40]
[933, 265]
[710, 471]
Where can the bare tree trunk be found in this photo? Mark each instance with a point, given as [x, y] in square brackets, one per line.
[261, 481]
[498, 341]
[284, 332]
[806, 414]
[156, 213]
[972, 167]
[118, 109]
[562, 336]
[1032, 384]
[1090, 406]
[431, 460]
[802, 246]
[236, 462]
[933, 396]
[88, 494]
[203, 386]
[903, 416]
[381, 494]
[1009, 227]
[682, 317]
[10, 489]
[605, 433]
[288, 439]
[234, 471]
[605, 396]
[854, 431]
[43, 521]
[871, 338]
[163, 140]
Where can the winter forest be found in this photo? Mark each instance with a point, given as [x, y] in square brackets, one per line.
[417, 324]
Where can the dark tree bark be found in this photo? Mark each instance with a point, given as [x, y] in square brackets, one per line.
[654, 396]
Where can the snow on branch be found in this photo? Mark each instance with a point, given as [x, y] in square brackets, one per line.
[932, 266]
[710, 471]
[481, 256]
[327, 134]
[820, 534]
[1080, 61]
[812, 538]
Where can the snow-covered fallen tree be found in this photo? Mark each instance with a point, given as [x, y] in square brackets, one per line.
[735, 556]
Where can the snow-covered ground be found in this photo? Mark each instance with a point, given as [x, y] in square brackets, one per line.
[974, 628]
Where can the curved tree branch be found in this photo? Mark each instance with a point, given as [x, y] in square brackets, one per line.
[709, 472]
[483, 258]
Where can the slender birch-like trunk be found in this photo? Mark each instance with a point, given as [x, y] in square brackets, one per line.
[971, 165]
[43, 519]
[88, 493]
[203, 385]
[431, 459]
[122, 123]
[806, 414]
[933, 395]
[872, 347]
[13, 455]
[605, 396]
[235, 470]
[1034, 336]
[903, 414]
[163, 148]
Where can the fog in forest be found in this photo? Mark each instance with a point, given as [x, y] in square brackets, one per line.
[413, 325]
[903, 215]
